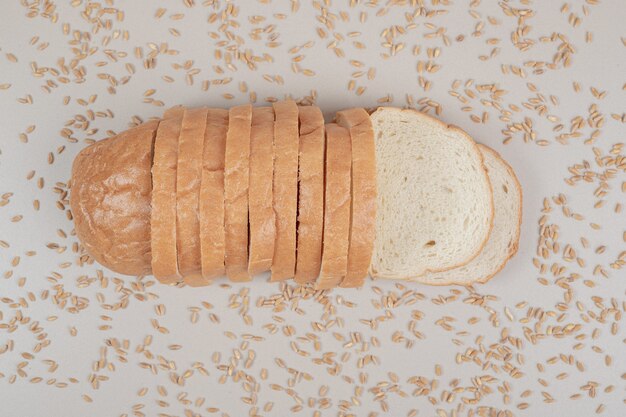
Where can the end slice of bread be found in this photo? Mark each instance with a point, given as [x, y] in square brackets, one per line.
[504, 239]
[435, 203]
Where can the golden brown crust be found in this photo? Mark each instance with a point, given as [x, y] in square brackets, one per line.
[337, 207]
[468, 138]
[261, 212]
[236, 182]
[212, 195]
[285, 188]
[163, 216]
[188, 176]
[311, 194]
[363, 208]
[110, 197]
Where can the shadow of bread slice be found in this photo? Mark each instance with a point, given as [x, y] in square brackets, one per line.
[504, 239]
[236, 181]
[363, 207]
[435, 204]
[110, 197]
[211, 208]
[188, 176]
[336, 208]
[285, 188]
[310, 194]
[261, 212]
[163, 217]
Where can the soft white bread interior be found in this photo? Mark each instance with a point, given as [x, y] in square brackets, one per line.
[504, 239]
[435, 204]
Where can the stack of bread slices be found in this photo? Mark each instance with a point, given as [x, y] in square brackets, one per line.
[207, 192]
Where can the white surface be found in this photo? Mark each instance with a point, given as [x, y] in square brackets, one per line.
[599, 64]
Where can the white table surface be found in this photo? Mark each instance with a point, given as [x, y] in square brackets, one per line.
[415, 350]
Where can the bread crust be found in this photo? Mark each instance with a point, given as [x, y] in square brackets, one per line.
[261, 212]
[363, 207]
[110, 197]
[236, 183]
[336, 208]
[212, 239]
[311, 194]
[285, 188]
[188, 176]
[471, 141]
[174, 112]
[163, 215]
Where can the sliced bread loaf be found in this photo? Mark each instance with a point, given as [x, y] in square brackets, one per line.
[236, 182]
[363, 207]
[262, 219]
[310, 193]
[504, 239]
[110, 199]
[435, 204]
[336, 208]
[212, 194]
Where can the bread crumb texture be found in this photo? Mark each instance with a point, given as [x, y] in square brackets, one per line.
[538, 82]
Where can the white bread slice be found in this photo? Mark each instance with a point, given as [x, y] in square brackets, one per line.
[310, 193]
[188, 175]
[435, 204]
[236, 181]
[504, 239]
[212, 194]
[261, 212]
[337, 208]
[363, 207]
[285, 188]
[163, 214]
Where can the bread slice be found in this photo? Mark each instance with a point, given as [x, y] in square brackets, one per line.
[236, 181]
[163, 216]
[504, 239]
[212, 194]
[261, 212]
[110, 199]
[310, 193]
[435, 204]
[363, 208]
[285, 188]
[336, 208]
[188, 176]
